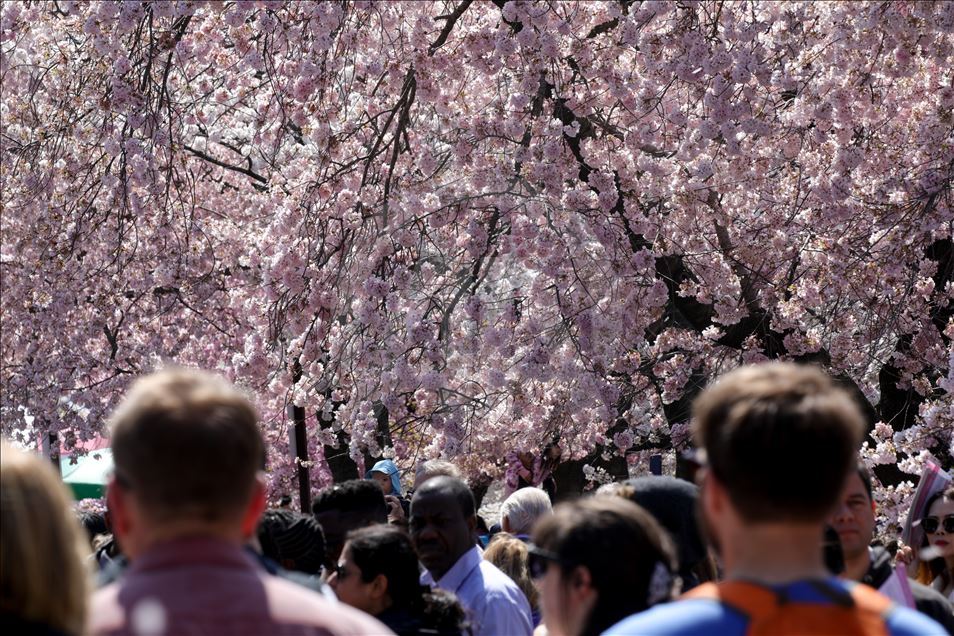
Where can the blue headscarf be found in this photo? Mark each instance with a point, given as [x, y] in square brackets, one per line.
[390, 469]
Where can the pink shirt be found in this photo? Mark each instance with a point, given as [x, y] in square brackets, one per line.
[206, 586]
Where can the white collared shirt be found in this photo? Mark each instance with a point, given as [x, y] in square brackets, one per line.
[494, 603]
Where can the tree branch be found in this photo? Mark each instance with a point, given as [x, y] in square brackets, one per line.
[246, 171]
[448, 26]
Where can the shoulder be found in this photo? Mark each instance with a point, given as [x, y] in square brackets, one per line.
[931, 602]
[683, 618]
[105, 611]
[105, 595]
[291, 603]
[902, 621]
[498, 585]
[879, 569]
[899, 620]
[11, 624]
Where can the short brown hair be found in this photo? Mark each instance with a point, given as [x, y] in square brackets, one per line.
[187, 443]
[781, 437]
[44, 555]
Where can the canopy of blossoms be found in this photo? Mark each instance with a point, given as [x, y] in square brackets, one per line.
[456, 228]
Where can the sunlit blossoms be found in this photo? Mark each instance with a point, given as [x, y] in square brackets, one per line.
[457, 228]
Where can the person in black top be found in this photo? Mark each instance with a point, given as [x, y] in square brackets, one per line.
[378, 573]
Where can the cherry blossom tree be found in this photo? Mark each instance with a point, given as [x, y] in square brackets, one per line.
[458, 228]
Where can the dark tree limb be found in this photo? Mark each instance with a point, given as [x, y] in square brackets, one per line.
[449, 25]
[246, 171]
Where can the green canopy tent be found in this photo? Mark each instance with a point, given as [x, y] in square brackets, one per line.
[87, 478]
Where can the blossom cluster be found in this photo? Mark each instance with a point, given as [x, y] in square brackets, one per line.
[454, 229]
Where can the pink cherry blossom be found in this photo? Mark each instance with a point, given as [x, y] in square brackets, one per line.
[478, 224]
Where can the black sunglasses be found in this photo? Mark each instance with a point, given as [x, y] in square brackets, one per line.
[931, 524]
[538, 560]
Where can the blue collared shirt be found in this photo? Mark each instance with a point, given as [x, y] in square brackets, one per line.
[494, 603]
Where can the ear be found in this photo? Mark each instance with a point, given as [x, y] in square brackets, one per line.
[120, 521]
[581, 590]
[254, 510]
[505, 524]
[472, 524]
[379, 587]
[581, 579]
[714, 496]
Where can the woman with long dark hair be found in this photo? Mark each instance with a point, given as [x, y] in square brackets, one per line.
[598, 561]
[938, 526]
[378, 573]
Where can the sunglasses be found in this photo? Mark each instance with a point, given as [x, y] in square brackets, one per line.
[539, 560]
[341, 572]
[931, 524]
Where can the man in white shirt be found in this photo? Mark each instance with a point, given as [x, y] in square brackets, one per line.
[443, 527]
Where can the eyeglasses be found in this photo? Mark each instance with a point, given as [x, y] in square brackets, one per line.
[931, 524]
[538, 560]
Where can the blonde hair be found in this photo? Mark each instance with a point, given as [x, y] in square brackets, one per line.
[510, 555]
[44, 575]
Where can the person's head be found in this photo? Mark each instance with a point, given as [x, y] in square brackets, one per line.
[344, 507]
[522, 509]
[510, 555]
[386, 474]
[94, 523]
[443, 523]
[938, 526]
[614, 488]
[293, 540]
[434, 468]
[378, 569]
[674, 504]
[780, 440]
[187, 451]
[43, 550]
[578, 555]
[854, 518]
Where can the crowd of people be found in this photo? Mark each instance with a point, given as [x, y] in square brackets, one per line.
[761, 544]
